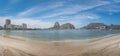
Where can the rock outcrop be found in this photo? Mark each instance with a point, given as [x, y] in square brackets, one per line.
[56, 25]
[67, 26]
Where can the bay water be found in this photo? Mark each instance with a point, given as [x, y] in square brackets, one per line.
[57, 35]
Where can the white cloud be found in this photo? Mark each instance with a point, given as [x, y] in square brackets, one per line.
[78, 17]
[28, 12]
[30, 22]
[67, 9]
[111, 8]
[33, 23]
[73, 9]
[86, 16]
[39, 9]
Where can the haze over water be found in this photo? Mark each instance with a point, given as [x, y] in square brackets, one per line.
[56, 35]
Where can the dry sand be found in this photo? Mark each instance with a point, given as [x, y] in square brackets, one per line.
[17, 46]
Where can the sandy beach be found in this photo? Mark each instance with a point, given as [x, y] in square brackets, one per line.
[18, 46]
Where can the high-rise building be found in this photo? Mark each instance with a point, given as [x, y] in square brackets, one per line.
[8, 21]
[24, 26]
[8, 24]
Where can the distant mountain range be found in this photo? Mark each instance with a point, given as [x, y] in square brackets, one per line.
[101, 26]
[66, 26]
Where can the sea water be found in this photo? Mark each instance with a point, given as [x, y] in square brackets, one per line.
[56, 35]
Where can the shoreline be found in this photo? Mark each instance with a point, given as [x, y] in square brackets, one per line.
[66, 40]
[18, 46]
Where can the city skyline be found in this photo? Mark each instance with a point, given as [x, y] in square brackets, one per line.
[8, 25]
[43, 13]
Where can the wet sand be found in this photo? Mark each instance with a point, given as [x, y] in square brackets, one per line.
[18, 46]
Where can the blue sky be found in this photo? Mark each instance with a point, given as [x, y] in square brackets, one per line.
[43, 13]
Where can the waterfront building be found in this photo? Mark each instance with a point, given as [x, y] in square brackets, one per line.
[24, 26]
[8, 24]
[17, 26]
[102, 27]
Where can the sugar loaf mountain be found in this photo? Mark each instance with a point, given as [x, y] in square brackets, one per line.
[57, 26]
